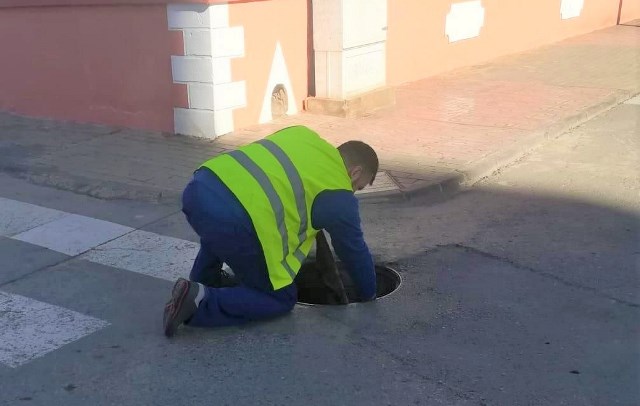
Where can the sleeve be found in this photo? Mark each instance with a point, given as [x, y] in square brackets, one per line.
[337, 212]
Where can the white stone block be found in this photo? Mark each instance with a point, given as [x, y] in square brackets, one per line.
[188, 16]
[327, 25]
[219, 15]
[202, 123]
[227, 42]
[217, 97]
[340, 75]
[365, 22]
[181, 16]
[364, 69]
[571, 8]
[197, 42]
[221, 70]
[192, 69]
[230, 95]
[201, 96]
[219, 42]
[329, 74]
[465, 20]
[340, 24]
[193, 122]
[223, 122]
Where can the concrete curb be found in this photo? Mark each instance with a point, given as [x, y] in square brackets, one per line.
[503, 158]
[443, 190]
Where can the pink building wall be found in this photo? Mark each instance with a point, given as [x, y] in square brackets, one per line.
[509, 27]
[114, 61]
[286, 28]
[91, 64]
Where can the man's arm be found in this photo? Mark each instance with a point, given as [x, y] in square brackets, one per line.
[338, 213]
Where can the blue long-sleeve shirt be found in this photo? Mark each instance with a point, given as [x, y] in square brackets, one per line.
[336, 211]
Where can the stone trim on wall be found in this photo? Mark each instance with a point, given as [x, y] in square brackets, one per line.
[205, 68]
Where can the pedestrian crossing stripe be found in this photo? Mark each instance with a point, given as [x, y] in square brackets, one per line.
[30, 329]
[97, 240]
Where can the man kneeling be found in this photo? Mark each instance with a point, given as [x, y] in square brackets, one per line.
[258, 209]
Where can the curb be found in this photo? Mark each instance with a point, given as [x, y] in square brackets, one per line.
[498, 160]
[483, 168]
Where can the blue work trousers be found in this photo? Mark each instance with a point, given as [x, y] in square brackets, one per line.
[227, 236]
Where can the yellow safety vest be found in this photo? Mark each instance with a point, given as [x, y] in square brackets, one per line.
[277, 180]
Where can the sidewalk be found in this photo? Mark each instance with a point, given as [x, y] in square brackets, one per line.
[445, 132]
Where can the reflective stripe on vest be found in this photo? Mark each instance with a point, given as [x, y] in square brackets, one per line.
[274, 200]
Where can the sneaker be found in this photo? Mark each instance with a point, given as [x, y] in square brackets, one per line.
[181, 306]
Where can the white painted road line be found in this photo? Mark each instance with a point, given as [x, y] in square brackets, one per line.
[30, 329]
[17, 217]
[73, 234]
[147, 253]
[98, 241]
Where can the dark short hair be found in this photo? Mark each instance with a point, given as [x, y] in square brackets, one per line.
[357, 153]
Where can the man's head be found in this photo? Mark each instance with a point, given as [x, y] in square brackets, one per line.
[361, 162]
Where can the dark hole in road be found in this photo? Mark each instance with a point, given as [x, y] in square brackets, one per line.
[312, 290]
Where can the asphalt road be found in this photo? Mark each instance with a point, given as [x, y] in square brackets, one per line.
[522, 290]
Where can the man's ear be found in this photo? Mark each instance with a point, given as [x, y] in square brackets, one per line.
[355, 172]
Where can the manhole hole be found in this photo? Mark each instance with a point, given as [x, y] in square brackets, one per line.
[313, 291]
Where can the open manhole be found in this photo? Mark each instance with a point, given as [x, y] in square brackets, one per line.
[312, 290]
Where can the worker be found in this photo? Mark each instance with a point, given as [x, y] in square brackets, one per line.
[258, 210]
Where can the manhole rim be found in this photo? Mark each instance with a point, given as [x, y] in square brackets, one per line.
[394, 272]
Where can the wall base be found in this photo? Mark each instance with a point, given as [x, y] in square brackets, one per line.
[352, 107]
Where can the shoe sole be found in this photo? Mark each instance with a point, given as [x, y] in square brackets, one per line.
[182, 288]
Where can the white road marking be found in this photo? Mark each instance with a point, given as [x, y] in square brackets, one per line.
[98, 241]
[30, 329]
[73, 234]
[17, 217]
[147, 253]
